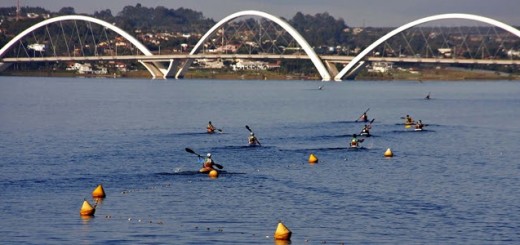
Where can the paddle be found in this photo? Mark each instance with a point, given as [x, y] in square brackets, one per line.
[193, 152]
[248, 128]
[362, 115]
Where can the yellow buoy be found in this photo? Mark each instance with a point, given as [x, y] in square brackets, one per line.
[99, 192]
[87, 209]
[389, 153]
[313, 158]
[281, 242]
[213, 173]
[282, 232]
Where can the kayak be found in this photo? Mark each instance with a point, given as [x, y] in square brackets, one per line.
[365, 134]
[205, 170]
[419, 129]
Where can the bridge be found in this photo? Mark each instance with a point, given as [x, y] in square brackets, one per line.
[176, 65]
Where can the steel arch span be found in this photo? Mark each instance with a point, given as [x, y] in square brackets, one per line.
[114, 28]
[295, 34]
[349, 67]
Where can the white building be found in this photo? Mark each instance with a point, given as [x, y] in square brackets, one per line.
[382, 67]
[249, 65]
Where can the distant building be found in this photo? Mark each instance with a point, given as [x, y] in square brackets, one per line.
[445, 52]
[381, 67]
[251, 65]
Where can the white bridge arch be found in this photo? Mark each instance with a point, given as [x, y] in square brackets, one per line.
[295, 34]
[152, 67]
[349, 67]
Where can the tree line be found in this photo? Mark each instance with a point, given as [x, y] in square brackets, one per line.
[320, 29]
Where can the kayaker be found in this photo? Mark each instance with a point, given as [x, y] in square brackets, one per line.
[210, 128]
[366, 130]
[208, 164]
[419, 125]
[252, 139]
[354, 142]
[408, 120]
[364, 117]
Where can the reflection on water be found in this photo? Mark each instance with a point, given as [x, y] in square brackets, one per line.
[455, 182]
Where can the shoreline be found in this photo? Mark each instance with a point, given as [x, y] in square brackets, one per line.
[446, 74]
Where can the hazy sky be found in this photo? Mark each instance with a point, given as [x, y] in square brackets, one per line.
[355, 13]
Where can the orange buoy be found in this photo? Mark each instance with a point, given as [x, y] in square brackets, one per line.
[389, 153]
[282, 232]
[87, 209]
[99, 192]
[213, 173]
[313, 158]
[281, 242]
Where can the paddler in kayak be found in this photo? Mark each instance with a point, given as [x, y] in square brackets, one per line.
[364, 117]
[419, 125]
[408, 120]
[354, 142]
[208, 164]
[210, 128]
[252, 140]
[366, 130]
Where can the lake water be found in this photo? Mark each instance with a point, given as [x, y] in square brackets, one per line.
[457, 182]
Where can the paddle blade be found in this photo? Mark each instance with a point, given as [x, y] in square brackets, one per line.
[218, 165]
[190, 150]
[249, 129]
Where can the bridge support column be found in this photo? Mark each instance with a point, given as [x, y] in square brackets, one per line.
[183, 68]
[331, 67]
[173, 67]
[4, 66]
[156, 69]
[352, 73]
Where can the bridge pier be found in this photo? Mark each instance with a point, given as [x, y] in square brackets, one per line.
[331, 67]
[4, 66]
[155, 68]
[172, 69]
[352, 73]
[183, 68]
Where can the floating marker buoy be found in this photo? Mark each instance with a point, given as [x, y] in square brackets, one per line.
[281, 242]
[313, 158]
[282, 232]
[389, 153]
[87, 209]
[213, 173]
[99, 192]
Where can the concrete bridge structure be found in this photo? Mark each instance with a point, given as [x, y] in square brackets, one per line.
[176, 65]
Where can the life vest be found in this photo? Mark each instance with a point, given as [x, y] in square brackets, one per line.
[208, 163]
[354, 142]
[252, 140]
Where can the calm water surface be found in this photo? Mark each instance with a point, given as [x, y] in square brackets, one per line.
[458, 182]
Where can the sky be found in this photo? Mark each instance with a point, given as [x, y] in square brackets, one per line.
[376, 13]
